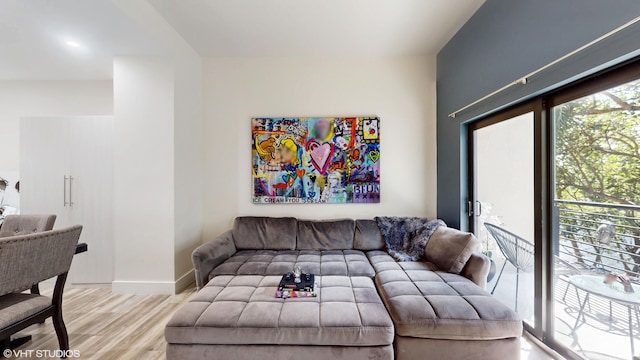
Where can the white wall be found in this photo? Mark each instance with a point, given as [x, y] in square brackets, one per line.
[401, 91]
[160, 111]
[46, 98]
[188, 166]
[143, 175]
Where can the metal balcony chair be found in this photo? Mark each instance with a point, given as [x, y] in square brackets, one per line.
[516, 250]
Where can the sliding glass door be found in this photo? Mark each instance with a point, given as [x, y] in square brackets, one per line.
[596, 218]
[554, 197]
[502, 209]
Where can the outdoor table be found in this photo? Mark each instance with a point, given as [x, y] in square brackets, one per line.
[591, 284]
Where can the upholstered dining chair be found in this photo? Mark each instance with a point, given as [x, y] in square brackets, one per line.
[26, 260]
[14, 225]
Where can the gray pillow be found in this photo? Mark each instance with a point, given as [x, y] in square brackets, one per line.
[259, 233]
[368, 236]
[450, 249]
[325, 235]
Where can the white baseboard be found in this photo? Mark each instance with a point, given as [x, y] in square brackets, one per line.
[153, 287]
[186, 280]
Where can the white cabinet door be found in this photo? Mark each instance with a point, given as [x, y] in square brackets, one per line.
[44, 165]
[66, 169]
[91, 169]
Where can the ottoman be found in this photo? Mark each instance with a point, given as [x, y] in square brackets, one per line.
[238, 317]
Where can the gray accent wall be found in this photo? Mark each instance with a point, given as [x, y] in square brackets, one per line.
[502, 42]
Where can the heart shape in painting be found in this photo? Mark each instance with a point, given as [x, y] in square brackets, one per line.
[374, 155]
[320, 154]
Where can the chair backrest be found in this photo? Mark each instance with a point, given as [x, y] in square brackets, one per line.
[29, 259]
[15, 225]
[518, 251]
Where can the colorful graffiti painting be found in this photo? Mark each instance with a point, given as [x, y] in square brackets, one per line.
[316, 160]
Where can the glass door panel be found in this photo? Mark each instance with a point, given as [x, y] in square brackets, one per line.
[596, 223]
[503, 208]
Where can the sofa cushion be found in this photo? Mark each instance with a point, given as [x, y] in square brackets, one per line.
[325, 235]
[242, 310]
[438, 305]
[450, 249]
[368, 236]
[278, 262]
[265, 233]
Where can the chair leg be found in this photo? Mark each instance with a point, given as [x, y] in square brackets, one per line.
[566, 290]
[579, 301]
[61, 330]
[631, 330]
[58, 322]
[499, 276]
[5, 343]
[587, 301]
[35, 289]
[517, 283]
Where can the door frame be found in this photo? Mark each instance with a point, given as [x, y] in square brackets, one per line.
[544, 182]
[541, 274]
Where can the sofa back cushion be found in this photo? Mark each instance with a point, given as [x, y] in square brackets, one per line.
[325, 235]
[450, 249]
[368, 236]
[259, 233]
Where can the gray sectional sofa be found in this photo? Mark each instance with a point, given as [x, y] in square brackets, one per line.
[368, 306]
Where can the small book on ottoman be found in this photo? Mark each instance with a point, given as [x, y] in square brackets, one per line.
[289, 288]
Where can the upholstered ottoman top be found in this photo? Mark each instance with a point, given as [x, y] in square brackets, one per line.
[278, 262]
[440, 305]
[242, 309]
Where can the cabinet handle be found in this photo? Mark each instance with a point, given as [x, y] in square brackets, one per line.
[64, 191]
[70, 191]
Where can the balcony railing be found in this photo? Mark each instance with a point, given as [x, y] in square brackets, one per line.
[599, 237]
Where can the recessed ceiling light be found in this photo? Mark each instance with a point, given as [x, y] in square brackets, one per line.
[72, 45]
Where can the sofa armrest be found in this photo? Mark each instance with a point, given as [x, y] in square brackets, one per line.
[207, 256]
[477, 268]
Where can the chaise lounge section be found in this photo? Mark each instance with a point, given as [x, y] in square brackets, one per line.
[367, 304]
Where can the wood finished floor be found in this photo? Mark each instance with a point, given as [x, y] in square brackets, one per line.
[103, 325]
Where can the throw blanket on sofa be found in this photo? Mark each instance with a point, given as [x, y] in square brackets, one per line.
[406, 237]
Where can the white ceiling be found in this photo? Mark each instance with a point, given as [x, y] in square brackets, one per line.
[316, 27]
[34, 33]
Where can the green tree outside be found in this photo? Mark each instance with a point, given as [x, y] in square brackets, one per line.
[597, 160]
